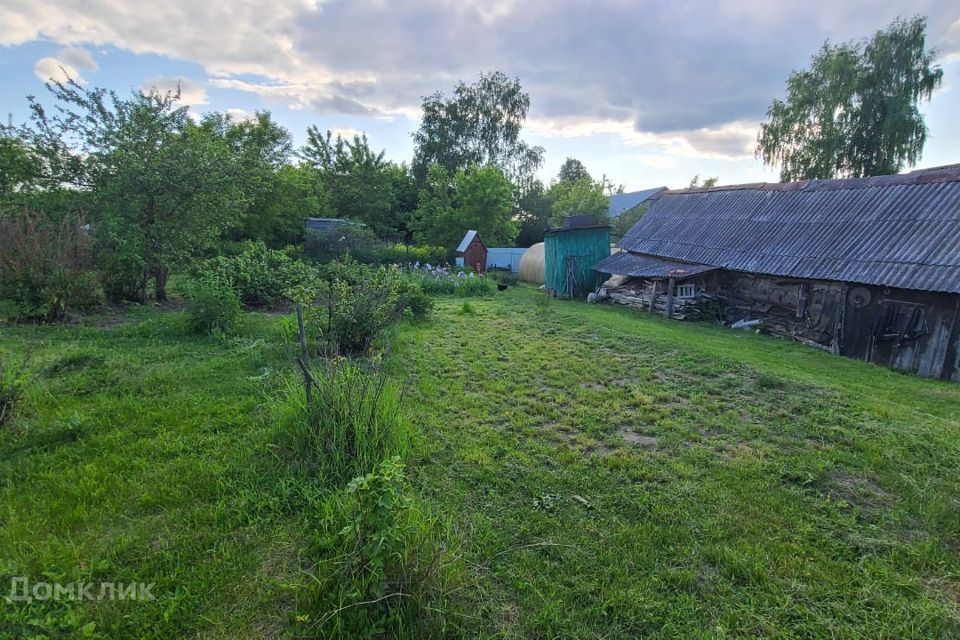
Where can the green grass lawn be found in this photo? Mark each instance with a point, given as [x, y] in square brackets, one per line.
[601, 473]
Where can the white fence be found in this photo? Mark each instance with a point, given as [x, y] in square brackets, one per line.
[505, 258]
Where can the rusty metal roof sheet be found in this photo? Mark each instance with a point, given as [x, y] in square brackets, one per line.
[641, 266]
[897, 231]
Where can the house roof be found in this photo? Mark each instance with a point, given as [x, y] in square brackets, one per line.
[642, 266]
[467, 239]
[898, 231]
[620, 202]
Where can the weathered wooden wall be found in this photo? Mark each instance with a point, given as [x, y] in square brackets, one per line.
[915, 331]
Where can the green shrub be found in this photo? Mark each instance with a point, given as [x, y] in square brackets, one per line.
[359, 303]
[213, 307]
[46, 266]
[261, 276]
[416, 300]
[13, 379]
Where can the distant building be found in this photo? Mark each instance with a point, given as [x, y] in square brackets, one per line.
[867, 268]
[472, 252]
[620, 202]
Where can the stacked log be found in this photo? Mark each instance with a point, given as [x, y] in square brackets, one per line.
[648, 295]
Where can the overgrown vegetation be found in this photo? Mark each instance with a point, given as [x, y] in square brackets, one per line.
[456, 284]
[46, 266]
[262, 277]
[360, 303]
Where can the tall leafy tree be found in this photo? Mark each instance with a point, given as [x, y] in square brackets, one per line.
[360, 182]
[479, 124]
[572, 170]
[163, 188]
[583, 196]
[855, 111]
[533, 214]
[479, 197]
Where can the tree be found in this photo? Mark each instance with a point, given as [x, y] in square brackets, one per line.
[479, 125]
[361, 183]
[696, 183]
[572, 170]
[163, 188]
[855, 111]
[478, 198]
[533, 215]
[580, 197]
[627, 219]
[293, 194]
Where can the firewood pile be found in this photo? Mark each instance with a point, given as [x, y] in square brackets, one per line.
[644, 294]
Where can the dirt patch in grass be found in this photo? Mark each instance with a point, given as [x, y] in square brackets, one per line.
[858, 491]
[639, 439]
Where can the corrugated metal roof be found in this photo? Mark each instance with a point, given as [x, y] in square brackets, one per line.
[898, 231]
[467, 239]
[641, 266]
[556, 230]
[620, 202]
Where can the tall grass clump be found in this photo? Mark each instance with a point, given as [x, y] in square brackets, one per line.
[390, 570]
[13, 380]
[353, 423]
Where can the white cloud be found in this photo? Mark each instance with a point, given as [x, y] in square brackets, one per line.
[347, 133]
[78, 57]
[240, 115]
[192, 93]
[53, 70]
[681, 76]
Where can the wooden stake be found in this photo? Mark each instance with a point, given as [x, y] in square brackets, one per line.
[304, 361]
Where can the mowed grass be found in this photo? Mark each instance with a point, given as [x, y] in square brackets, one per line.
[612, 474]
[600, 473]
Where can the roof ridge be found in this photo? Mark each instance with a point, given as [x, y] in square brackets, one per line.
[943, 173]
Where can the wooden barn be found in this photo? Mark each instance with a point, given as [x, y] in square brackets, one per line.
[472, 252]
[867, 268]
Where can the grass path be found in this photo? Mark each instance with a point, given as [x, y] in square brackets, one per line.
[616, 475]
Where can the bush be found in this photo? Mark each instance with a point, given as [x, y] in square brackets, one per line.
[360, 303]
[213, 307]
[261, 276]
[454, 284]
[13, 379]
[46, 267]
[416, 300]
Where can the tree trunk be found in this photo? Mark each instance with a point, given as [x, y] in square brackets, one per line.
[160, 282]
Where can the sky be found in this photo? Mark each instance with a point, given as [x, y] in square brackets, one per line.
[648, 93]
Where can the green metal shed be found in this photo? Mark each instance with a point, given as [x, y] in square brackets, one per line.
[569, 256]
